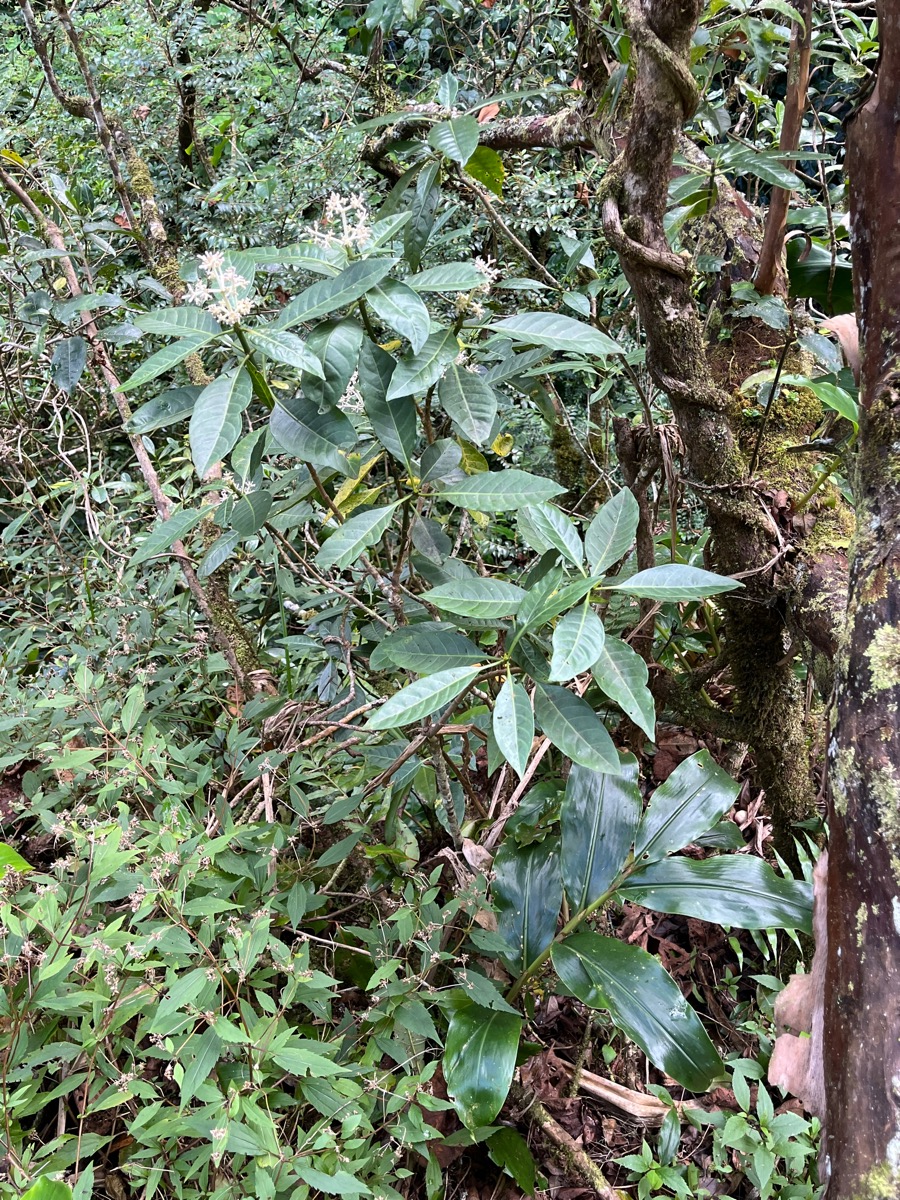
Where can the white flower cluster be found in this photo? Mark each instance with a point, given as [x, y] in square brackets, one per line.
[462, 360]
[345, 223]
[220, 293]
[352, 401]
[489, 269]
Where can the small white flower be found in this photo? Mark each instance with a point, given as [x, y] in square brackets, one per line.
[229, 309]
[222, 287]
[212, 261]
[198, 293]
[488, 268]
[231, 279]
[345, 223]
[352, 401]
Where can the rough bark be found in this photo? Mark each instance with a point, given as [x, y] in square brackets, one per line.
[568, 129]
[794, 107]
[744, 539]
[862, 991]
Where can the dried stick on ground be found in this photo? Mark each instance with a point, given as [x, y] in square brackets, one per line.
[575, 1160]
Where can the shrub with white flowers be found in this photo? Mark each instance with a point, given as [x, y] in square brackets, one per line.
[220, 293]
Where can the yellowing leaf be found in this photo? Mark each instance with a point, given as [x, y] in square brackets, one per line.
[473, 461]
[349, 486]
[363, 496]
[502, 444]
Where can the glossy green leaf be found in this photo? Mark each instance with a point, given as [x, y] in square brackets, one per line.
[835, 398]
[557, 332]
[545, 527]
[315, 437]
[469, 402]
[422, 698]
[486, 598]
[401, 310]
[457, 139]
[599, 818]
[217, 418]
[675, 582]
[528, 656]
[336, 344]
[610, 534]
[163, 360]
[283, 347]
[513, 725]
[551, 596]
[448, 277]
[724, 835]
[163, 410]
[501, 491]
[185, 321]
[690, 801]
[135, 702]
[65, 310]
[251, 512]
[644, 1001]
[416, 373]
[12, 860]
[572, 725]
[68, 363]
[247, 456]
[429, 648]
[527, 894]
[577, 643]
[430, 540]
[509, 1150]
[393, 421]
[622, 674]
[441, 461]
[330, 294]
[164, 533]
[740, 890]
[479, 1060]
[386, 228]
[487, 167]
[218, 553]
[309, 256]
[337, 1183]
[351, 539]
[424, 205]
[448, 90]
[47, 1189]
[765, 164]
[206, 1050]
[301, 1061]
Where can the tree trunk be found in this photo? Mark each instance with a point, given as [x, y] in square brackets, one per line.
[862, 990]
[634, 200]
[772, 247]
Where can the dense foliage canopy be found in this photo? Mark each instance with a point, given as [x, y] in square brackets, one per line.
[424, 515]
